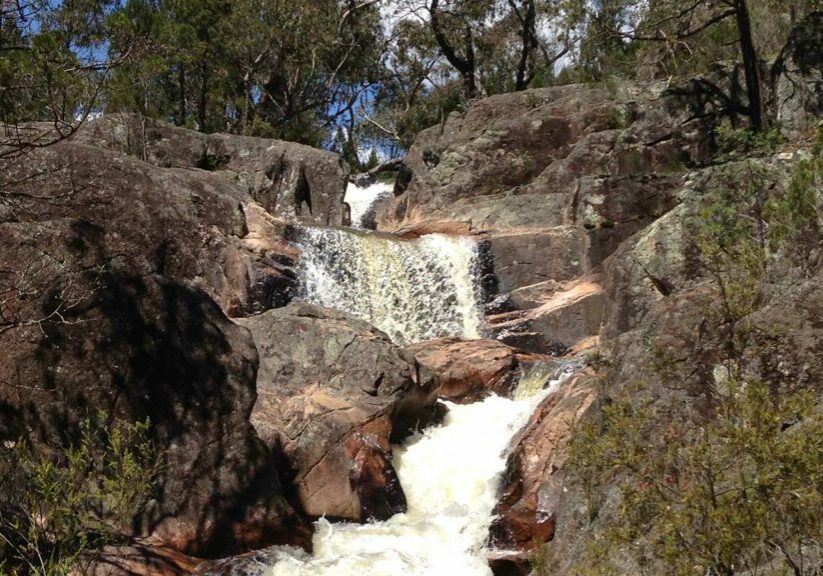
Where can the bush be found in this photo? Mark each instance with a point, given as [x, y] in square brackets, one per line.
[58, 506]
[794, 224]
[740, 492]
[733, 141]
[730, 482]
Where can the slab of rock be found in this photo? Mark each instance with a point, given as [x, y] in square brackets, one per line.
[295, 182]
[523, 258]
[333, 393]
[532, 486]
[189, 225]
[553, 316]
[468, 370]
[142, 558]
[514, 160]
[140, 347]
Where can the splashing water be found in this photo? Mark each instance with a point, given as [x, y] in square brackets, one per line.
[362, 199]
[450, 475]
[413, 290]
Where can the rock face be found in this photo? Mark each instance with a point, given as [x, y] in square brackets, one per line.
[332, 392]
[552, 181]
[143, 347]
[291, 181]
[112, 272]
[797, 77]
[516, 160]
[184, 224]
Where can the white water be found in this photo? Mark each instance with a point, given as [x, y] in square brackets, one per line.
[450, 475]
[361, 199]
[413, 290]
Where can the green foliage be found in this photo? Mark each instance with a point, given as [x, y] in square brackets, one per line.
[739, 491]
[729, 234]
[794, 219]
[732, 483]
[617, 118]
[743, 141]
[57, 506]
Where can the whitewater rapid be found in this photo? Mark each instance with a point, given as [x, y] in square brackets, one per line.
[450, 475]
[413, 290]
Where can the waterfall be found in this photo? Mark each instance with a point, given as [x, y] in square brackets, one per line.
[413, 290]
[361, 200]
[450, 474]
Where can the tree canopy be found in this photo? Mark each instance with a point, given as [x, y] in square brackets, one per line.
[367, 74]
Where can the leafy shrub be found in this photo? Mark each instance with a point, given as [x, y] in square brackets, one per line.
[731, 141]
[732, 484]
[794, 223]
[739, 492]
[57, 506]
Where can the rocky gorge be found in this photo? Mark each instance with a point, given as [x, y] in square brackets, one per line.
[295, 370]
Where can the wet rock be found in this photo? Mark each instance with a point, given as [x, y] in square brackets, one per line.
[139, 559]
[553, 316]
[333, 392]
[468, 370]
[532, 487]
[511, 565]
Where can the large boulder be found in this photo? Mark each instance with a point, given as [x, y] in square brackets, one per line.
[295, 182]
[468, 370]
[514, 160]
[189, 225]
[797, 77]
[553, 181]
[141, 347]
[108, 268]
[333, 393]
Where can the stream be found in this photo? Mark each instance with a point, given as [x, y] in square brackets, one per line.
[415, 290]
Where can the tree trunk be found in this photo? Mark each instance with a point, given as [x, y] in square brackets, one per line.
[182, 110]
[750, 65]
[203, 101]
[465, 65]
[528, 34]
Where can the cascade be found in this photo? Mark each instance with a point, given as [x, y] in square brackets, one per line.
[450, 474]
[362, 199]
[413, 290]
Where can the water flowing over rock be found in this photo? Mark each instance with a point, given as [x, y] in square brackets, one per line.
[362, 202]
[533, 483]
[451, 474]
[413, 290]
